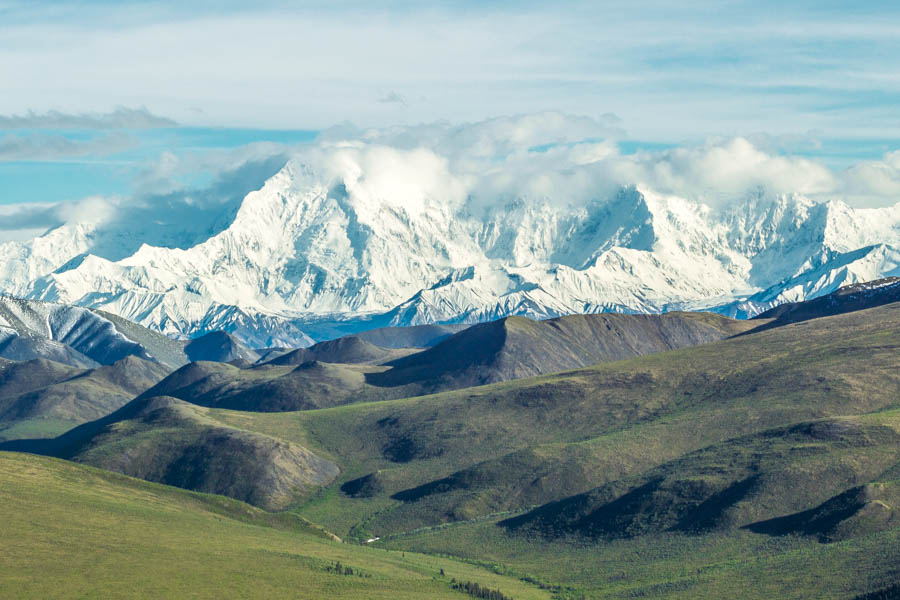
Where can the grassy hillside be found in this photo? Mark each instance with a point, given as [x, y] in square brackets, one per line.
[857, 512]
[676, 565]
[762, 465]
[170, 441]
[40, 398]
[731, 484]
[350, 369]
[70, 531]
[273, 388]
[505, 447]
[219, 346]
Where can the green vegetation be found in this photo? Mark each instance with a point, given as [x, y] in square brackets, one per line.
[346, 350]
[764, 465]
[677, 565]
[476, 590]
[465, 454]
[517, 347]
[351, 370]
[170, 441]
[70, 531]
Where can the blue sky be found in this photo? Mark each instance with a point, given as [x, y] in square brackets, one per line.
[814, 79]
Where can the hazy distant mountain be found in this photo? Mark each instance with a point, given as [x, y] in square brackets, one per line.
[414, 336]
[350, 349]
[315, 253]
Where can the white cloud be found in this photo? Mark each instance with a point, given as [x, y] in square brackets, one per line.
[546, 157]
[19, 222]
[873, 181]
[572, 160]
[393, 98]
[725, 168]
[672, 70]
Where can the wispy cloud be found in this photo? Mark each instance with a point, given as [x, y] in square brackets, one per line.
[393, 98]
[120, 118]
[29, 217]
[672, 71]
[55, 147]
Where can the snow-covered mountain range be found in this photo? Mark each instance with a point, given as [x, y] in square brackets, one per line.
[354, 236]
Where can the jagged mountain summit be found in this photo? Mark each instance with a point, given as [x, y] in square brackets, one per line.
[333, 244]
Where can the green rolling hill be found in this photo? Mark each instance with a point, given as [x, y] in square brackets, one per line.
[703, 458]
[71, 531]
[350, 369]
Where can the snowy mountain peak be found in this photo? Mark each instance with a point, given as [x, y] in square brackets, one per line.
[353, 236]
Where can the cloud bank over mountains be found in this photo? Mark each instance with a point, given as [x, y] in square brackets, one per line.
[547, 156]
[540, 214]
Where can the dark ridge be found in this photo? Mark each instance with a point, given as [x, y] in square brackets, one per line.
[416, 336]
[517, 347]
[850, 298]
[888, 593]
[169, 441]
[858, 511]
[350, 349]
[727, 484]
[363, 487]
[218, 346]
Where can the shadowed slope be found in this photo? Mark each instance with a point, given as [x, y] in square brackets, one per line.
[218, 346]
[349, 369]
[415, 336]
[30, 347]
[857, 512]
[350, 349]
[508, 446]
[100, 337]
[731, 484]
[271, 388]
[41, 398]
[169, 441]
[516, 347]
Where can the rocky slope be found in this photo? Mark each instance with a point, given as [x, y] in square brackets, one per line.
[77, 336]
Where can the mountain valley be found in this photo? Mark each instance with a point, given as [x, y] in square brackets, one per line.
[528, 443]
